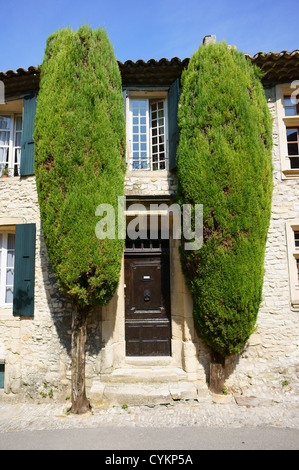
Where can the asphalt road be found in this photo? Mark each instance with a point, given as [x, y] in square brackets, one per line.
[137, 438]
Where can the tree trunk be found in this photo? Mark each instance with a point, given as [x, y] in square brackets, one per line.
[217, 372]
[80, 403]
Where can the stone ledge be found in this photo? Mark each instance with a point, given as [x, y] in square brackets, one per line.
[253, 401]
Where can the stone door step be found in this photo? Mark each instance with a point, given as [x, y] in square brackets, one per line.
[145, 375]
[144, 393]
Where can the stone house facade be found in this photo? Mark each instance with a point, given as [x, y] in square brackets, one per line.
[130, 360]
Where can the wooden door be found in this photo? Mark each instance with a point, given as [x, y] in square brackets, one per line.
[147, 320]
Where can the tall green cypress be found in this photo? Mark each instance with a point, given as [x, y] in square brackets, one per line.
[224, 162]
[80, 164]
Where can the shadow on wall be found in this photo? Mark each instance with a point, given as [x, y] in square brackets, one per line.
[60, 307]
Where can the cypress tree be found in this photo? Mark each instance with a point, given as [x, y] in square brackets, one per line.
[224, 162]
[80, 164]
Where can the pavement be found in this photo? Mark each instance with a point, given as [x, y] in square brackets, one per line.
[233, 423]
[236, 412]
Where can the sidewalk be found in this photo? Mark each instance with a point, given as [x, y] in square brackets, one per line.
[238, 412]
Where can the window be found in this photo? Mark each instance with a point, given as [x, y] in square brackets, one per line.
[286, 98]
[148, 137]
[293, 146]
[293, 257]
[290, 107]
[7, 258]
[10, 144]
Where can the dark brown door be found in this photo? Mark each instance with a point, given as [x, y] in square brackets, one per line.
[147, 305]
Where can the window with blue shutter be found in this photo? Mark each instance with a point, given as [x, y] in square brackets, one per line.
[27, 151]
[24, 271]
[173, 131]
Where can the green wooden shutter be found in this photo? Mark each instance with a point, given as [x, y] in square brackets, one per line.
[27, 151]
[24, 272]
[173, 131]
[2, 373]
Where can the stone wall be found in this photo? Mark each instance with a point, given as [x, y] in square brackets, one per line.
[37, 350]
[271, 358]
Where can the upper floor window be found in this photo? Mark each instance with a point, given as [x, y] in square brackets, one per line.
[7, 257]
[293, 146]
[10, 144]
[290, 106]
[287, 107]
[148, 134]
[292, 231]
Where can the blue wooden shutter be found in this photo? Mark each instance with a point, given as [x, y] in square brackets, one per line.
[27, 151]
[24, 272]
[125, 101]
[173, 131]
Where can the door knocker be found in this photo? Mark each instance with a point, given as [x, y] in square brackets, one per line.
[147, 295]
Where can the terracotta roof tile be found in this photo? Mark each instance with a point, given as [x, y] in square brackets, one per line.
[278, 67]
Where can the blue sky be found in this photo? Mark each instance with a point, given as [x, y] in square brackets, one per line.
[145, 29]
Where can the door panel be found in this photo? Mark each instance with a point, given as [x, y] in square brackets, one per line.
[147, 305]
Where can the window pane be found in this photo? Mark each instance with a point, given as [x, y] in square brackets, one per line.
[11, 241]
[296, 235]
[292, 135]
[158, 128]
[292, 149]
[18, 123]
[9, 295]
[290, 106]
[144, 165]
[17, 162]
[291, 111]
[10, 259]
[9, 277]
[294, 162]
[3, 155]
[5, 122]
[288, 101]
[18, 139]
[4, 138]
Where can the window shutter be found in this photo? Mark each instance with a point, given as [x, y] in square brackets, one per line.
[24, 272]
[173, 131]
[27, 152]
[125, 101]
[2, 373]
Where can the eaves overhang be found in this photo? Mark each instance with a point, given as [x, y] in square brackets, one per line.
[277, 67]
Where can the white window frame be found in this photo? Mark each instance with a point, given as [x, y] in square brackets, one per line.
[148, 97]
[293, 255]
[3, 265]
[12, 147]
[285, 122]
